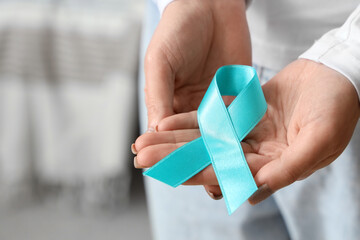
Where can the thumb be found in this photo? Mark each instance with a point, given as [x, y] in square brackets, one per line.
[159, 88]
[308, 148]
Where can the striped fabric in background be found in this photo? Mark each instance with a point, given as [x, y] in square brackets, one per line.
[67, 100]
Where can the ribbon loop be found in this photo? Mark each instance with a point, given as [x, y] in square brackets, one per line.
[222, 129]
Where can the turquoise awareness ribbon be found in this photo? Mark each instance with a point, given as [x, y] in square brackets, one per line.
[222, 129]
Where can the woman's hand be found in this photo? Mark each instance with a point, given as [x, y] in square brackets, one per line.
[311, 116]
[193, 39]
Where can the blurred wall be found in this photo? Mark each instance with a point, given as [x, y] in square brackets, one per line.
[67, 100]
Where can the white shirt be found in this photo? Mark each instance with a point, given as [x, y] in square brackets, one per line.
[281, 30]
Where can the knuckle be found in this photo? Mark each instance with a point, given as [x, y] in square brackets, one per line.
[145, 140]
[143, 158]
[152, 58]
[140, 142]
[290, 175]
[149, 57]
[152, 109]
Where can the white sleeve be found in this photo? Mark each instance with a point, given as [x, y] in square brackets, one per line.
[161, 4]
[339, 49]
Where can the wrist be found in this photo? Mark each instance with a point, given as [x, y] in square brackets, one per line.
[235, 5]
[312, 64]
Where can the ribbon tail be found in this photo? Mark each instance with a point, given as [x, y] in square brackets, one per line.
[237, 183]
[182, 164]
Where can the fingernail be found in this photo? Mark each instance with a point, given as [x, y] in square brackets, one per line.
[136, 165]
[214, 196]
[261, 194]
[150, 129]
[133, 149]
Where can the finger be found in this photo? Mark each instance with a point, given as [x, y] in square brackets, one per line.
[149, 156]
[307, 149]
[175, 136]
[179, 121]
[208, 177]
[256, 162]
[205, 177]
[159, 86]
[214, 191]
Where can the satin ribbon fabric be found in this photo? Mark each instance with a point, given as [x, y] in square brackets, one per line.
[222, 129]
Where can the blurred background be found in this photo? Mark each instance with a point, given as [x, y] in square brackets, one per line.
[68, 115]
